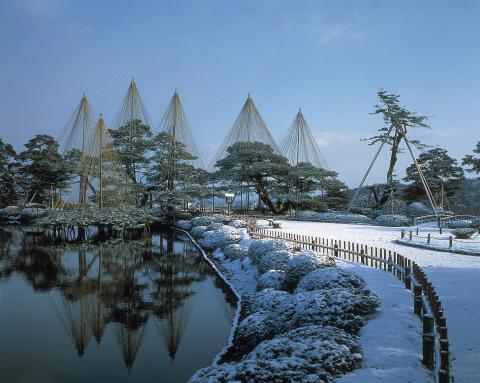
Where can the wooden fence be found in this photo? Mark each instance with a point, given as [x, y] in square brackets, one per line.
[426, 303]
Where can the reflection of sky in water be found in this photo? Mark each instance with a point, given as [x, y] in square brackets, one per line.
[119, 314]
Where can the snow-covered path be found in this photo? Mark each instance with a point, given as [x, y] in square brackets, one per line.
[389, 338]
[455, 277]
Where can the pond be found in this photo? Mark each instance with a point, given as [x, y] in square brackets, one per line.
[125, 312]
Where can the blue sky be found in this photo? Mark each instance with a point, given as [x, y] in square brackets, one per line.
[329, 57]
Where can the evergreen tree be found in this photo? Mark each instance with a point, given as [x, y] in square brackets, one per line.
[396, 116]
[306, 186]
[133, 144]
[7, 177]
[255, 163]
[473, 160]
[170, 169]
[44, 170]
[439, 169]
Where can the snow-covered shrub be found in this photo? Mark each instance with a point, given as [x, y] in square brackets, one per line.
[259, 247]
[267, 300]
[235, 251]
[198, 231]
[336, 307]
[215, 226]
[32, 212]
[272, 279]
[342, 218]
[304, 263]
[253, 329]
[212, 240]
[238, 223]
[308, 354]
[392, 220]
[463, 233]
[325, 349]
[459, 224]
[305, 214]
[275, 260]
[395, 206]
[183, 224]
[205, 220]
[475, 223]
[329, 278]
[418, 209]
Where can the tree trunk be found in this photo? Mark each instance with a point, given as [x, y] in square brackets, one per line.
[262, 194]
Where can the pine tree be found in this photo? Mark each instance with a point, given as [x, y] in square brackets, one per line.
[401, 119]
[439, 168]
[44, 170]
[7, 177]
[473, 160]
[255, 163]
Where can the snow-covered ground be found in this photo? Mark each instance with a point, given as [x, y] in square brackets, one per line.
[455, 277]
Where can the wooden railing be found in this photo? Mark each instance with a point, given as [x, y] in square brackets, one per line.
[444, 220]
[426, 303]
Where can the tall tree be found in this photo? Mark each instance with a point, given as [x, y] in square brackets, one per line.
[439, 169]
[170, 168]
[399, 120]
[306, 185]
[44, 170]
[473, 160]
[255, 163]
[7, 177]
[133, 144]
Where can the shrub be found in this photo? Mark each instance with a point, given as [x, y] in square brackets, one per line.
[392, 220]
[235, 251]
[304, 263]
[329, 278]
[272, 279]
[259, 247]
[275, 260]
[212, 240]
[463, 233]
[198, 231]
[183, 224]
[238, 223]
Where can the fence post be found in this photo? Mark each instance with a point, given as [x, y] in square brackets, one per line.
[335, 252]
[410, 235]
[450, 242]
[402, 233]
[417, 230]
[438, 223]
[389, 262]
[428, 341]
[408, 281]
[417, 300]
[441, 230]
[428, 238]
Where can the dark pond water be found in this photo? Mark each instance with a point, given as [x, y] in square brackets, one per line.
[116, 313]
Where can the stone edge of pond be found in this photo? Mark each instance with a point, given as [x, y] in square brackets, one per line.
[238, 310]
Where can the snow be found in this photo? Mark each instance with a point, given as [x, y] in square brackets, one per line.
[271, 279]
[455, 278]
[392, 220]
[275, 260]
[183, 224]
[235, 251]
[259, 247]
[304, 263]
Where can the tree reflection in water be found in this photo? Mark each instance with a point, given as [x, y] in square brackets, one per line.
[123, 285]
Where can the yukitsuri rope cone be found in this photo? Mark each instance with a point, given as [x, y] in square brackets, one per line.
[299, 145]
[174, 122]
[78, 134]
[248, 127]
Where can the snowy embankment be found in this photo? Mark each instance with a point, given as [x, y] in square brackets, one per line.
[454, 276]
[302, 314]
